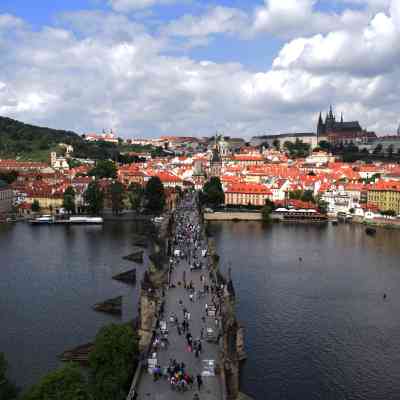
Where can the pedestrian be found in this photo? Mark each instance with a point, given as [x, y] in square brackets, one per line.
[199, 381]
[202, 333]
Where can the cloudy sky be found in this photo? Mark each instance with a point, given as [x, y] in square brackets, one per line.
[191, 67]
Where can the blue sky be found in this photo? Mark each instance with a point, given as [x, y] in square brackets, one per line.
[257, 53]
[150, 67]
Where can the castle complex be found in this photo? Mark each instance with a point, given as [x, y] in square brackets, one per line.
[341, 132]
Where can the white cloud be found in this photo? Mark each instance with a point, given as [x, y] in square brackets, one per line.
[217, 20]
[290, 18]
[374, 49]
[132, 5]
[99, 70]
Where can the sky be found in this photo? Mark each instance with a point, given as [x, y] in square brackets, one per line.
[145, 68]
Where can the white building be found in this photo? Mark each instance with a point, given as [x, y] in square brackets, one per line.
[339, 201]
[58, 163]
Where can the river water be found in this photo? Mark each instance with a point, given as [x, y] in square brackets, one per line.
[317, 328]
[50, 278]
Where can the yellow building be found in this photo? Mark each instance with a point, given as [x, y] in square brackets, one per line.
[385, 195]
[51, 202]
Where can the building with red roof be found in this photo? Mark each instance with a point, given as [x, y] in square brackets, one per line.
[385, 195]
[247, 193]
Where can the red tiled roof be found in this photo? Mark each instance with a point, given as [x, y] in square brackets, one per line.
[386, 186]
[248, 157]
[248, 188]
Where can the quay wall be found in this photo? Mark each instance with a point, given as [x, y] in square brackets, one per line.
[230, 216]
[378, 222]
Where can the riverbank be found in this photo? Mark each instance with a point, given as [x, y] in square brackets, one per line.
[378, 222]
[233, 216]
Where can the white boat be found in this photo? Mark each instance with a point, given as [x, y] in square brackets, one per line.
[43, 219]
[85, 220]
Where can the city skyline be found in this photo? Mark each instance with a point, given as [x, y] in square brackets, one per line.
[147, 68]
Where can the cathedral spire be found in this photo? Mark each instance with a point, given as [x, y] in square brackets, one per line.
[330, 112]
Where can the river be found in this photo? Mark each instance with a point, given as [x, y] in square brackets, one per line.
[316, 328]
[50, 278]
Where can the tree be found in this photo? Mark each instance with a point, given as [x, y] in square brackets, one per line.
[308, 195]
[325, 145]
[69, 200]
[135, 195]
[378, 149]
[277, 144]
[117, 191]
[94, 198]
[104, 169]
[390, 150]
[323, 207]
[295, 194]
[267, 210]
[154, 195]
[9, 176]
[389, 213]
[113, 362]
[8, 391]
[213, 192]
[35, 207]
[158, 152]
[66, 383]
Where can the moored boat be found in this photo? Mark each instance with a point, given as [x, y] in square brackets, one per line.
[43, 219]
[370, 231]
[85, 220]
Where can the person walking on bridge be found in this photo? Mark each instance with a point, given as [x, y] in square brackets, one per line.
[199, 381]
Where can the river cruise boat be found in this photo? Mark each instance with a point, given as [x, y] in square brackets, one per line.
[344, 217]
[294, 215]
[77, 220]
[86, 220]
[42, 220]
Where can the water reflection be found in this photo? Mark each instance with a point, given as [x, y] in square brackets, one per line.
[317, 328]
[51, 276]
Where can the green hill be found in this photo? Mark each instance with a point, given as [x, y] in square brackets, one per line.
[34, 143]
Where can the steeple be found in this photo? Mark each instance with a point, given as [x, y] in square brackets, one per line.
[331, 113]
[320, 126]
[341, 118]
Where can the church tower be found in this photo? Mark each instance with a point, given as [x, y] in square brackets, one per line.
[330, 121]
[320, 127]
[216, 161]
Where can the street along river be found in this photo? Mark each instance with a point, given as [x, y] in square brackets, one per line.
[316, 327]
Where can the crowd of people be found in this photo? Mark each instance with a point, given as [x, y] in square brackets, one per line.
[189, 255]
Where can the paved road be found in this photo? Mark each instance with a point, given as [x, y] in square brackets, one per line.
[177, 349]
